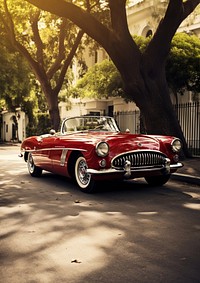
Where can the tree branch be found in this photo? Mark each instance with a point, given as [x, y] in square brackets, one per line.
[68, 61]
[36, 37]
[80, 17]
[109, 39]
[61, 50]
[176, 12]
[189, 7]
[36, 67]
[118, 16]
[9, 27]
[8, 23]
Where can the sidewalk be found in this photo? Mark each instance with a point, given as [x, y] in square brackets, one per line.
[190, 172]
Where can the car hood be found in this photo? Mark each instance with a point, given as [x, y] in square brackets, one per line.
[118, 142]
[128, 142]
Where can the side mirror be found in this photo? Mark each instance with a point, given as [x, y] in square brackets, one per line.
[52, 132]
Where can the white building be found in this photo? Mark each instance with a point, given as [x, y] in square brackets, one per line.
[13, 126]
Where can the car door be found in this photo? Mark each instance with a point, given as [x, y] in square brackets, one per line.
[44, 148]
[54, 153]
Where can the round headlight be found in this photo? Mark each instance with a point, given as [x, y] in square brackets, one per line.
[176, 145]
[102, 149]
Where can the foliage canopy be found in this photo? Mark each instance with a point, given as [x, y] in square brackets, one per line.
[182, 70]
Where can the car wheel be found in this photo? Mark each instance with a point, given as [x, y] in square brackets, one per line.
[32, 169]
[157, 180]
[83, 179]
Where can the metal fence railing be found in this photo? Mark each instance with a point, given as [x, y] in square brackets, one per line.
[189, 119]
[128, 120]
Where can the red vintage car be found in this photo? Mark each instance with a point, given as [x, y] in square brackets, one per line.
[92, 148]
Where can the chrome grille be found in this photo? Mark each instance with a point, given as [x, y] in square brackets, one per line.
[139, 159]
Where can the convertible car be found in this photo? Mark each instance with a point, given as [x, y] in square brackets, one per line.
[92, 148]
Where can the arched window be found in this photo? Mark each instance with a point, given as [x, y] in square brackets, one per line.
[149, 33]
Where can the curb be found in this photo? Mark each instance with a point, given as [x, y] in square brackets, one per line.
[186, 178]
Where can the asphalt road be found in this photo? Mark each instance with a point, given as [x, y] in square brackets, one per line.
[51, 232]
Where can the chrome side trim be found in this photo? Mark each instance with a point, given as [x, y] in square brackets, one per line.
[52, 149]
[63, 157]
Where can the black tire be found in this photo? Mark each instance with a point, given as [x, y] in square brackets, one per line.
[33, 170]
[83, 179]
[157, 180]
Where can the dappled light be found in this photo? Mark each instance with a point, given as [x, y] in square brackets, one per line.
[148, 213]
[52, 232]
[195, 206]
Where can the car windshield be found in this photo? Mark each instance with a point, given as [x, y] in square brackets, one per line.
[89, 123]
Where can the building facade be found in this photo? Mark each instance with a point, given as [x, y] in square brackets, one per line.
[13, 127]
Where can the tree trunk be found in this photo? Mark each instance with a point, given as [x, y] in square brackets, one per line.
[52, 100]
[54, 117]
[154, 102]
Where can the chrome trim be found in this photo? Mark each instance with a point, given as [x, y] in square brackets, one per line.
[87, 117]
[176, 166]
[52, 149]
[176, 139]
[139, 150]
[167, 166]
[127, 169]
[139, 158]
[97, 148]
[133, 169]
[63, 157]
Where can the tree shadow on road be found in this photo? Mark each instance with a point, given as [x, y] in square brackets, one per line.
[52, 232]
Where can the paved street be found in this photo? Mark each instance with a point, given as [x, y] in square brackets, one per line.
[51, 232]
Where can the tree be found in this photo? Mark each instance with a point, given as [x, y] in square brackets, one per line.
[182, 70]
[143, 74]
[48, 43]
[17, 85]
[183, 65]
[14, 78]
[18, 88]
[101, 80]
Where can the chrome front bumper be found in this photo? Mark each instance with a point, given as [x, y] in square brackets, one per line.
[128, 170]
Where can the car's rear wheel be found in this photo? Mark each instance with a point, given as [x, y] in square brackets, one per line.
[83, 179]
[157, 180]
[33, 170]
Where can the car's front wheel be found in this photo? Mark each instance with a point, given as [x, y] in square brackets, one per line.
[157, 180]
[83, 179]
[33, 170]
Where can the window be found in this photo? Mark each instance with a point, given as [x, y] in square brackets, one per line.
[93, 113]
[149, 33]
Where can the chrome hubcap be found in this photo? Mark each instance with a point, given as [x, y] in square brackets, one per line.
[84, 177]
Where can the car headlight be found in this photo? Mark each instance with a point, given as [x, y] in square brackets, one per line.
[176, 145]
[102, 149]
